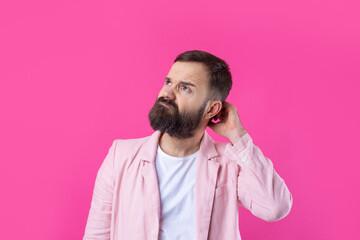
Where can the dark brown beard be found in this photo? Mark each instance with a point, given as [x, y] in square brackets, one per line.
[178, 125]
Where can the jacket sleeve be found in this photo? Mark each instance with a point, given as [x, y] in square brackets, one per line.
[259, 188]
[98, 223]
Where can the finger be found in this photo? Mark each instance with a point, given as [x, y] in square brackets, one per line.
[226, 104]
[224, 114]
[217, 116]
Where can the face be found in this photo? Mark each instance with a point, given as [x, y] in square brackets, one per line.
[182, 101]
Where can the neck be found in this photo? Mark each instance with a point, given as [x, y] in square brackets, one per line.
[180, 147]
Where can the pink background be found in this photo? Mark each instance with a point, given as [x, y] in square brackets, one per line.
[75, 75]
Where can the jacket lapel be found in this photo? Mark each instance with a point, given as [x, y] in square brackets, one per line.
[147, 154]
[205, 183]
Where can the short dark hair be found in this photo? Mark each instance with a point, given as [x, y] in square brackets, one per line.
[220, 80]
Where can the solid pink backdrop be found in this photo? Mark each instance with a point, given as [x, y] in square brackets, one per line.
[75, 75]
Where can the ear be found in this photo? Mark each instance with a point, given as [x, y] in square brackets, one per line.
[214, 109]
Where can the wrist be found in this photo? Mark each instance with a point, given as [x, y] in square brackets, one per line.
[238, 134]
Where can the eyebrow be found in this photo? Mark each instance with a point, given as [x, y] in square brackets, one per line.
[183, 82]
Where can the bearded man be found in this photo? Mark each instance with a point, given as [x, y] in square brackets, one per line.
[178, 183]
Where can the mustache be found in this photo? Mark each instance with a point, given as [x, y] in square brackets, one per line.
[164, 100]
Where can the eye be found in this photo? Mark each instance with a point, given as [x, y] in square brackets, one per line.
[186, 89]
[167, 82]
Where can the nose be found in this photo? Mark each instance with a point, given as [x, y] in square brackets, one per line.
[168, 93]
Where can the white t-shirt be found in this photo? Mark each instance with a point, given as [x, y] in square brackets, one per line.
[176, 176]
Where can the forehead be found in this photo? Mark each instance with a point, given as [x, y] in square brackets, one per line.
[194, 72]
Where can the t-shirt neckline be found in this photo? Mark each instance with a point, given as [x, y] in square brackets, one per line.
[161, 152]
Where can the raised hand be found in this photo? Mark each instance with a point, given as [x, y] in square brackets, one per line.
[229, 125]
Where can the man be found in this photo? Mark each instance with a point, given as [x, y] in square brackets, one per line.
[178, 183]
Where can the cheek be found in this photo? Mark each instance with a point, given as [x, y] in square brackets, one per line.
[188, 106]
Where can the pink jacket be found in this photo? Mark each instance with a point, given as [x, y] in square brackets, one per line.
[126, 200]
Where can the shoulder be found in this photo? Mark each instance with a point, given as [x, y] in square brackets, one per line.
[123, 151]
[220, 146]
[130, 141]
[228, 152]
[120, 144]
